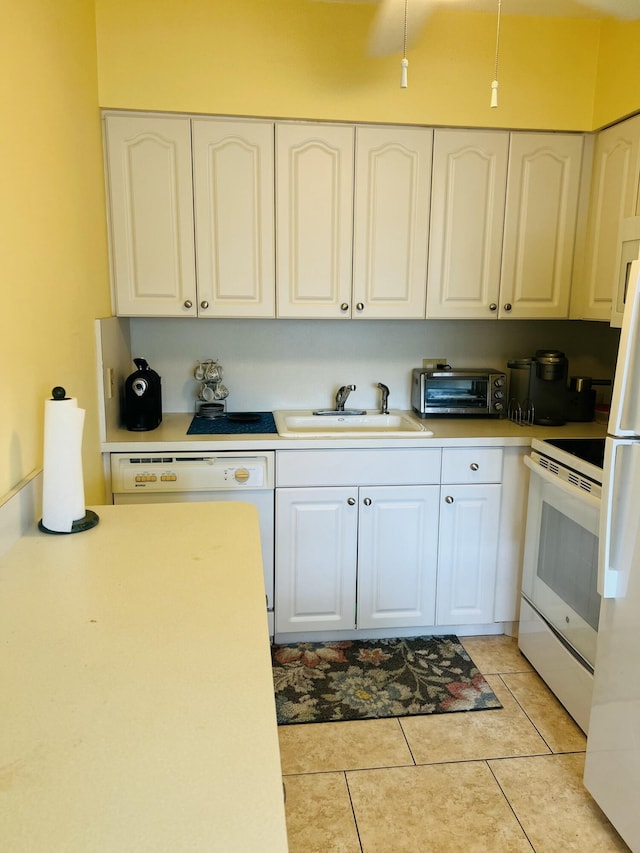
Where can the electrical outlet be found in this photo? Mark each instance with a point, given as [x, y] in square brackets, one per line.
[110, 383]
[432, 363]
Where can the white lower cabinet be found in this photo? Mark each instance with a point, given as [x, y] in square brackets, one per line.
[356, 557]
[469, 535]
[467, 552]
[356, 551]
[316, 552]
[397, 556]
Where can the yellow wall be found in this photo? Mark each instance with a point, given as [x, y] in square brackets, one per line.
[308, 59]
[53, 261]
[618, 83]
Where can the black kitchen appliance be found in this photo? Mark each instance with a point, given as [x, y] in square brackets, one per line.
[539, 386]
[142, 398]
[581, 397]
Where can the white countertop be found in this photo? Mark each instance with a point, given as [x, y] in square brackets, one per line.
[172, 435]
[138, 710]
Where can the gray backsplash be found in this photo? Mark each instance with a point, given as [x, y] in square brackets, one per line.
[300, 363]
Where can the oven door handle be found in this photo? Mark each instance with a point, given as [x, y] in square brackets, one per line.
[572, 491]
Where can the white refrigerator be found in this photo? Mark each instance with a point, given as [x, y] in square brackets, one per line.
[612, 769]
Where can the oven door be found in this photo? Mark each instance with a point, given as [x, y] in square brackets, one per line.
[560, 570]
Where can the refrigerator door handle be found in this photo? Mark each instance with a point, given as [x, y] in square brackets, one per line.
[619, 512]
[624, 418]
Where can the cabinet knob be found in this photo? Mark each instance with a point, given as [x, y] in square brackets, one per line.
[360, 306]
[188, 303]
[344, 306]
[507, 306]
[351, 501]
[448, 499]
[474, 466]
[367, 501]
[493, 307]
[204, 304]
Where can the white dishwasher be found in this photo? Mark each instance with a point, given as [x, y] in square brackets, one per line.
[185, 476]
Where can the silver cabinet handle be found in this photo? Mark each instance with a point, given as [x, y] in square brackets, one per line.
[493, 307]
[367, 501]
[344, 306]
[507, 306]
[448, 499]
[474, 466]
[351, 501]
[188, 303]
[204, 304]
[360, 306]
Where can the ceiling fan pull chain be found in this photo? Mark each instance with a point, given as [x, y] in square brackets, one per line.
[405, 61]
[494, 83]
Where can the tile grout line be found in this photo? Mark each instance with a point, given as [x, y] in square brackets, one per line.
[513, 811]
[353, 811]
[552, 751]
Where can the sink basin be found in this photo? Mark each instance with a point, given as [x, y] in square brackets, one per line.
[304, 424]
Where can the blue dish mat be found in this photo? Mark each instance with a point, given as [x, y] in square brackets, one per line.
[224, 426]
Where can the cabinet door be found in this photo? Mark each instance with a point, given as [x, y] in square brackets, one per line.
[540, 225]
[467, 554]
[391, 222]
[316, 547]
[233, 168]
[397, 556]
[467, 216]
[314, 204]
[614, 195]
[151, 216]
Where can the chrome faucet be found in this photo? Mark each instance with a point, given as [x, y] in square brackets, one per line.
[384, 398]
[341, 396]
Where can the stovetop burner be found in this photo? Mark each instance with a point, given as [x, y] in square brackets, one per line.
[591, 450]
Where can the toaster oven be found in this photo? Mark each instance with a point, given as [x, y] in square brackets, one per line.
[453, 392]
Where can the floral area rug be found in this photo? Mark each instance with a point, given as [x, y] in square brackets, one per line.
[362, 679]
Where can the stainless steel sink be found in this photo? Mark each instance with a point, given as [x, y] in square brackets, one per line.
[306, 424]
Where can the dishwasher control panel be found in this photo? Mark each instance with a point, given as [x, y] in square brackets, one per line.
[190, 472]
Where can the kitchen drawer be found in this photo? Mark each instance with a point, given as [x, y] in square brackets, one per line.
[394, 467]
[472, 465]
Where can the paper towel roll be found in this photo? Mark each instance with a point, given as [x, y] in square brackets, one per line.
[62, 482]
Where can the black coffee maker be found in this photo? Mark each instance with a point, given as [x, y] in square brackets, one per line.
[142, 398]
[538, 386]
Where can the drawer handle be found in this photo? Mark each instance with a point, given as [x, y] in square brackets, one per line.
[188, 303]
[448, 499]
[360, 306]
[351, 501]
[507, 306]
[474, 466]
[344, 306]
[204, 304]
[493, 307]
[367, 501]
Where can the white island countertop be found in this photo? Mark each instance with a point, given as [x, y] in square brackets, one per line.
[138, 710]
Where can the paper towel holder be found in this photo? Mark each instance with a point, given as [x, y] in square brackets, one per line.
[90, 518]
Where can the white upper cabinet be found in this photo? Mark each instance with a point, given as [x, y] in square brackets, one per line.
[233, 184]
[540, 225]
[314, 209]
[352, 242]
[166, 263]
[614, 196]
[503, 224]
[151, 215]
[467, 216]
[391, 222]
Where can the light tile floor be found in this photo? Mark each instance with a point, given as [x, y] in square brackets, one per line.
[504, 781]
